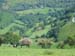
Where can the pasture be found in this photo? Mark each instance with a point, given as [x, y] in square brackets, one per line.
[10, 51]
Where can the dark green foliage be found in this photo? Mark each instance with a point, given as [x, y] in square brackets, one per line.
[70, 41]
[12, 37]
[23, 5]
[1, 40]
[6, 18]
[1, 2]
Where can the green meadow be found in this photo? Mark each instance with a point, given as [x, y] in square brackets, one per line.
[10, 51]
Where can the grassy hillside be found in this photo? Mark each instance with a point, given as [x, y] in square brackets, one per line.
[41, 32]
[23, 15]
[67, 30]
[39, 10]
[7, 29]
[6, 18]
[33, 11]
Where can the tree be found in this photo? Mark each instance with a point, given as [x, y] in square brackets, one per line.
[12, 37]
[1, 2]
[1, 40]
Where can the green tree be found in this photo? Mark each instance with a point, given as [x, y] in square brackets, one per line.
[12, 37]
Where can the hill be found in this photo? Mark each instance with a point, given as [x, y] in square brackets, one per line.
[28, 16]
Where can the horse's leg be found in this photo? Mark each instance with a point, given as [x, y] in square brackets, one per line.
[43, 46]
[28, 45]
[0, 44]
[21, 46]
[60, 46]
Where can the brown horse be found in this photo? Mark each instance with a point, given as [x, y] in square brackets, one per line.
[25, 42]
[22, 42]
[44, 42]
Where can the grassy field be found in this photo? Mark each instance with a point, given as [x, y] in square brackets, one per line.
[10, 51]
[6, 50]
